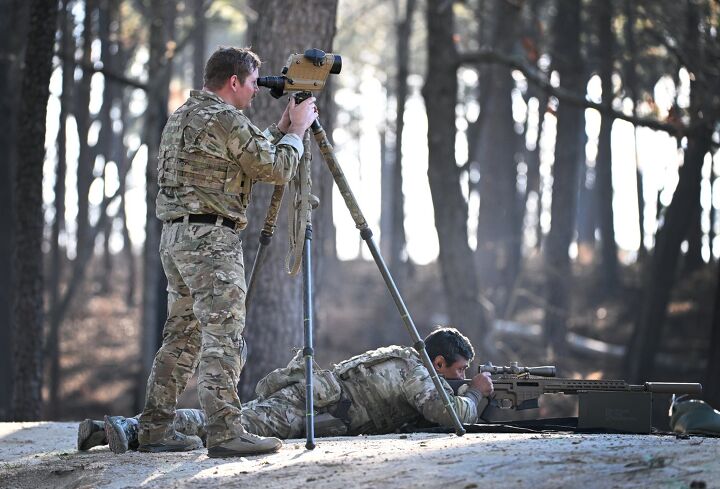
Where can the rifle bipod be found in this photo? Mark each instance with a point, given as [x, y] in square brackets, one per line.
[366, 234]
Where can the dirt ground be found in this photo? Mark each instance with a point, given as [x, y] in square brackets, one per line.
[43, 455]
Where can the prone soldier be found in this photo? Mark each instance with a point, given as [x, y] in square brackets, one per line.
[376, 392]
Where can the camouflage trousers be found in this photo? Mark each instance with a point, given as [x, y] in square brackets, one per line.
[206, 316]
[282, 415]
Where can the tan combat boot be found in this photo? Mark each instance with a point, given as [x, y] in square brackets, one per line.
[91, 433]
[166, 439]
[245, 444]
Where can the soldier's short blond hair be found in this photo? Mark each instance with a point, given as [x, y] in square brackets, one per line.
[226, 62]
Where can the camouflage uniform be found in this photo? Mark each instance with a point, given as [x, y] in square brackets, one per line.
[381, 390]
[210, 155]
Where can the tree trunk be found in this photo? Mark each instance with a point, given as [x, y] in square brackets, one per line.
[711, 386]
[398, 242]
[107, 18]
[662, 269]
[154, 306]
[608, 246]
[499, 226]
[660, 278]
[587, 206]
[82, 117]
[274, 319]
[27, 357]
[631, 83]
[13, 29]
[565, 177]
[199, 43]
[57, 258]
[693, 260]
[450, 209]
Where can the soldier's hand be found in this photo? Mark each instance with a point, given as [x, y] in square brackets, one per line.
[483, 383]
[301, 115]
[284, 124]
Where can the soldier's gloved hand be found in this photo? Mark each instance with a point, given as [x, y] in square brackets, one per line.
[483, 383]
[301, 115]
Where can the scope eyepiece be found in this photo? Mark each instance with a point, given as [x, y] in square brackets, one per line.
[276, 84]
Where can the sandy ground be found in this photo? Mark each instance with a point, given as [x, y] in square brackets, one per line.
[43, 455]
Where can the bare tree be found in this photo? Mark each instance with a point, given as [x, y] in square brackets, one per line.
[499, 221]
[13, 29]
[712, 371]
[567, 61]
[162, 16]
[457, 266]
[609, 250]
[631, 87]
[199, 41]
[662, 268]
[397, 213]
[34, 93]
[274, 319]
[57, 258]
[83, 120]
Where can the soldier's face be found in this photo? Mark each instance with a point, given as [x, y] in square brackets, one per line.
[454, 371]
[245, 92]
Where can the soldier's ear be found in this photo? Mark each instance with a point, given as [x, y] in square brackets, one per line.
[439, 362]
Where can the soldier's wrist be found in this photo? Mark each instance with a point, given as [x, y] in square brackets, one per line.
[474, 394]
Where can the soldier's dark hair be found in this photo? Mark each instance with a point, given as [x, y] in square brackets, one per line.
[450, 343]
[226, 62]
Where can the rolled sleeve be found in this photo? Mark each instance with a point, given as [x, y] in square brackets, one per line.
[293, 140]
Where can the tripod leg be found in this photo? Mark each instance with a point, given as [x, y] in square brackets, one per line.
[265, 238]
[366, 234]
[308, 347]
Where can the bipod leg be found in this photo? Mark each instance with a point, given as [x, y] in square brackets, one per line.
[266, 235]
[366, 234]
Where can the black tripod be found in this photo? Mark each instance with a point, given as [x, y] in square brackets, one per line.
[366, 234]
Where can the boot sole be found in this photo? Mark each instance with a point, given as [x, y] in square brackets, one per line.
[165, 448]
[219, 452]
[116, 437]
[88, 437]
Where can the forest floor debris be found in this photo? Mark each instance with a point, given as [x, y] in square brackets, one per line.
[43, 455]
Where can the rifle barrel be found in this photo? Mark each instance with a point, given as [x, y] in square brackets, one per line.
[674, 388]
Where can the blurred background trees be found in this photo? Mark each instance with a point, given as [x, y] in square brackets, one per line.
[542, 175]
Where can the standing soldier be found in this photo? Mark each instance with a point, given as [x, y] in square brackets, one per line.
[210, 156]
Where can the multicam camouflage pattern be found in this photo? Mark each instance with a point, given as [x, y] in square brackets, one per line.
[204, 262]
[388, 388]
[210, 155]
[191, 422]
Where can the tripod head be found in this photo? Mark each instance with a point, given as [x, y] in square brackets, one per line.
[306, 72]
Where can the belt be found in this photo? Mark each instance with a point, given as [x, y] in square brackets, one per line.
[206, 219]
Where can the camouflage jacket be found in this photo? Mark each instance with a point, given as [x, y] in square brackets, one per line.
[390, 387]
[210, 156]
